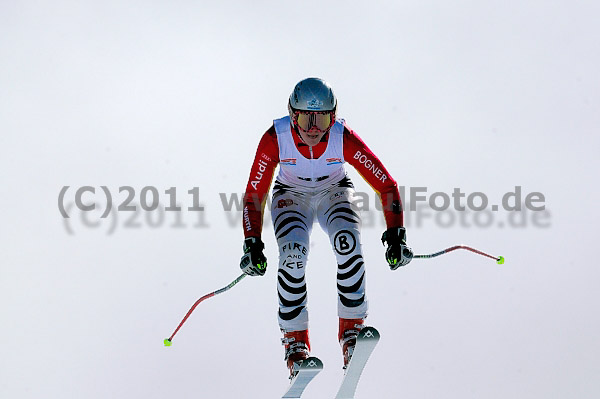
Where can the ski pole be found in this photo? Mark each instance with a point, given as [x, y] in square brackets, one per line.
[167, 341]
[499, 259]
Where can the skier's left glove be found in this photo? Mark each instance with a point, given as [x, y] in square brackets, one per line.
[254, 262]
[397, 253]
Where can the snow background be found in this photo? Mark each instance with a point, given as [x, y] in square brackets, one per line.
[478, 95]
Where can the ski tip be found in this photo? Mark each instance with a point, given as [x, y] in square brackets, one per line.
[167, 342]
[369, 333]
[500, 260]
[312, 363]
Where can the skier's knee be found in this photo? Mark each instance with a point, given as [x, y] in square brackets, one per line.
[293, 255]
[345, 241]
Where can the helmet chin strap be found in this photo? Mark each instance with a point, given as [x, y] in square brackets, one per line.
[296, 131]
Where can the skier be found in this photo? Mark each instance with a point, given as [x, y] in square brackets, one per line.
[310, 146]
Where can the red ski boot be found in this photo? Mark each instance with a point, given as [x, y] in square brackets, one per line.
[297, 348]
[348, 331]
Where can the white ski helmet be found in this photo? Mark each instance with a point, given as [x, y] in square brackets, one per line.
[312, 95]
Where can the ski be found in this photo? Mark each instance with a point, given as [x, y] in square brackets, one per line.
[308, 370]
[366, 341]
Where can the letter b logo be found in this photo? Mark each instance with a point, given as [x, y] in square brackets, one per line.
[344, 242]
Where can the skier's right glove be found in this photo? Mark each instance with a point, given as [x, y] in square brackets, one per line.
[397, 253]
[254, 262]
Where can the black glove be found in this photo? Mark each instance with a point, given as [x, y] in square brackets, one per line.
[397, 253]
[254, 262]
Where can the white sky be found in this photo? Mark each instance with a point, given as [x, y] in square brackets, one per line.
[483, 96]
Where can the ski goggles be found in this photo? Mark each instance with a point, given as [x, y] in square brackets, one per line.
[322, 120]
